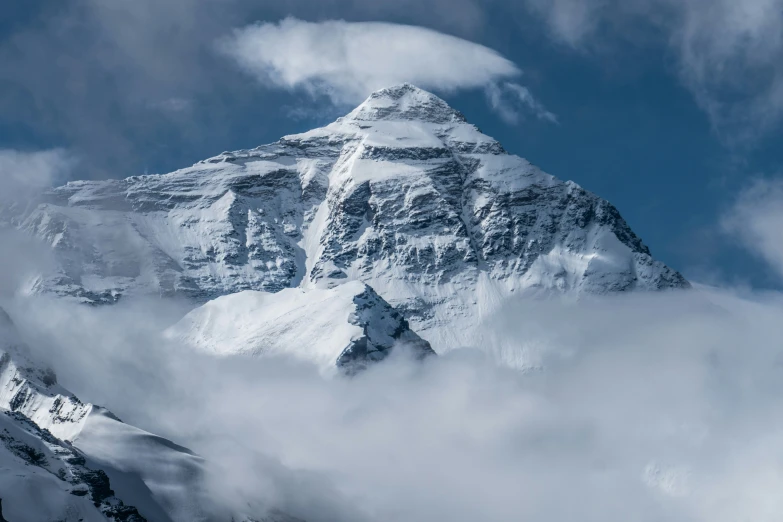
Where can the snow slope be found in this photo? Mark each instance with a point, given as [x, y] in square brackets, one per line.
[402, 194]
[342, 327]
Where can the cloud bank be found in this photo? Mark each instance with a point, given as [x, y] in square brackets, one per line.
[347, 61]
[729, 54]
[645, 407]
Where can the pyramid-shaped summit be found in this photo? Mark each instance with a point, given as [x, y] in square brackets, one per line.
[402, 194]
[405, 102]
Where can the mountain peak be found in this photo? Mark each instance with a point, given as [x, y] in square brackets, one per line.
[405, 102]
[400, 90]
[402, 195]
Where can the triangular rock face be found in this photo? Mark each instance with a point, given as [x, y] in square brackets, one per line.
[402, 194]
[347, 326]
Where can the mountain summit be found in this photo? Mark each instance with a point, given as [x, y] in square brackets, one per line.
[405, 102]
[402, 194]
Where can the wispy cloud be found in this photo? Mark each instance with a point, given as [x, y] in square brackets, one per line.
[507, 99]
[24, 173]
[347, 61]
[756, 221]
[729, 53]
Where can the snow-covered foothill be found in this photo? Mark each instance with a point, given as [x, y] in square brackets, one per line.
[346, 326]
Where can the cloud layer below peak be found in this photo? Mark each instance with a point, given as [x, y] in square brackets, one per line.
[347, 61]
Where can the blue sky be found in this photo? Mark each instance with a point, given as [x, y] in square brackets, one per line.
[670, 110]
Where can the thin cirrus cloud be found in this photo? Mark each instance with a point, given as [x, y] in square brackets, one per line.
[756, 221]
[728, 53]
[348, 61]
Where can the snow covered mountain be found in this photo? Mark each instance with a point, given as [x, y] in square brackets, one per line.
[63, 459]
[402, 194]
[343, 327]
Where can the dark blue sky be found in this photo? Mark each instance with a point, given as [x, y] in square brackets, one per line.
[631, 128]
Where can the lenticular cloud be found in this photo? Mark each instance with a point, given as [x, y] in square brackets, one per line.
[350, 60]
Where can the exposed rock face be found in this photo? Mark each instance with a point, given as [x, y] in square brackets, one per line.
[402, 194]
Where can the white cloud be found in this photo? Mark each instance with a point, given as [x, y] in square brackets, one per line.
[33, 170]
[347, 61]
[571, 21]
[507, 98]
[104, 77]
[729, 52]
[756, 220]
[646, 408]
[24, 175]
